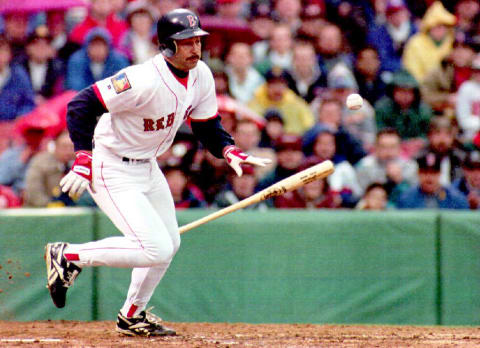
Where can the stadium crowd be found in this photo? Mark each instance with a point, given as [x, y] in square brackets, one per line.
[283, 70]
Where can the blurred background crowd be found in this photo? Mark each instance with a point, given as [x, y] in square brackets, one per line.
[283, 69]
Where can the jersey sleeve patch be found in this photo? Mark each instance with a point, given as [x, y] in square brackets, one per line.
[120, 83]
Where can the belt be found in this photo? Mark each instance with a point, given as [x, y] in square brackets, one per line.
[135, 161]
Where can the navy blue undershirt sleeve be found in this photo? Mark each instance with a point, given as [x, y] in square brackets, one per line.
[212, 135]
[82, 115]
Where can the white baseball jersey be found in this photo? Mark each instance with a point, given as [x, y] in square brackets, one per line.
[147, 105]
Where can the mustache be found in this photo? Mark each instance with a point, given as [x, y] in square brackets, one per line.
[194, 57]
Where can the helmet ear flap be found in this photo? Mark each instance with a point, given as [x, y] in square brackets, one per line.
[169, 48]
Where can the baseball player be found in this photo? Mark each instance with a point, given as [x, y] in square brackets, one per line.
[139, 110]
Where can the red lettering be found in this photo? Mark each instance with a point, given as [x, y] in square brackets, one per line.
[476, 108]
[170, 119]
[160, 123]
[188, 112]
[148, 125]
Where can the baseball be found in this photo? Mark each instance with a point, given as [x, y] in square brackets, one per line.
[354, 101]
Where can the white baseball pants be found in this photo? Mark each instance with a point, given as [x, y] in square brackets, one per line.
[137, 199]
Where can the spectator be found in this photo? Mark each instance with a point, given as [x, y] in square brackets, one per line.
[468, 104]
[289, 159]
[390, 37]
[403, 109]
[386, 166]
[369, 77]
[360, 123]
[247, 136]
[288, 12]
[351, 18]
[14, 161]
[209, 174]
[45, 171]
[329, 115]
[330, 49]
[440, 87]
[425, 50]
[16, 92]
[375, 198]
[165, 6]
[277, 53]
[243, 79]
[231, 10]
[469, 185]
[308, 80]
[182, 152]
[262, 22]
[467, 13]
[137, 42]
[239, 188]
[313, 20]
[429, 193]
[95, 61]
[44, 70]
[8, 198]
[344, 179]
[15, 25]
[57, 27]
[276, 94]
[185, 194]
[442, 135]
[222, 87]
[273, 129]
[376, 12]
[314, 195]
[119, 7]
[101, 14]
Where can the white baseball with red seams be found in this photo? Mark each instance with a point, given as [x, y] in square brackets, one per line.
[354, 101]
[147, 105]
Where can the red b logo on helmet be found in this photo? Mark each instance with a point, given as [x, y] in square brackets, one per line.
[192, 20]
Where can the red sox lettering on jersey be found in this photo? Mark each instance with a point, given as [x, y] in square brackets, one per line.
[133, 97]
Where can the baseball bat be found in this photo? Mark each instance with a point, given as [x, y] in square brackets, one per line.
[318, 171]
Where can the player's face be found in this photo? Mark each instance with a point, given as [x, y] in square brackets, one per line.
[188, 53]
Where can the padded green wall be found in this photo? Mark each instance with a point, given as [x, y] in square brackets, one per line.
[287, 266]
[23, 236]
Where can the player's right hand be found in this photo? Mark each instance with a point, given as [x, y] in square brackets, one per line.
[235, 157]
[80, 176]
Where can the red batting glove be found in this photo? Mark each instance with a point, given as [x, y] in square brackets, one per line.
[235, 157]
[80, 176]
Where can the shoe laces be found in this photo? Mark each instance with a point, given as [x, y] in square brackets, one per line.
[152, 318]
[70, 278]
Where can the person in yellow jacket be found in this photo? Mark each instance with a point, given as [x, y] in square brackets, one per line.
[426, 49]
[275, 94]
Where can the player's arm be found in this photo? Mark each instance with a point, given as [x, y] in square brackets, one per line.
[212, 135]
[216, 139]
[82, 114]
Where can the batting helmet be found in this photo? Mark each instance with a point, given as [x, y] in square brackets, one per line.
[178, 24]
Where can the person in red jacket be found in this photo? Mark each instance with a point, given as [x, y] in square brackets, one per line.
[100, 14]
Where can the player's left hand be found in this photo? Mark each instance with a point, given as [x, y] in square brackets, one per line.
[235, 157]
[80, 176]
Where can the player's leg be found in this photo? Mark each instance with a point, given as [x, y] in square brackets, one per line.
[146, 241]
[121, 192]
[145, 280]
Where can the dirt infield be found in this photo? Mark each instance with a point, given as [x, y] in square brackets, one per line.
[102, 334]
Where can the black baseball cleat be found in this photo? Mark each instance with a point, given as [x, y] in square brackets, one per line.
[145, 324]
[60, 272]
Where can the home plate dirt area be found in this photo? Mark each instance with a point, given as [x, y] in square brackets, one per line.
[102, 334]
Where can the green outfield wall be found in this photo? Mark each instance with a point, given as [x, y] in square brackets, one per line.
[291, 266]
